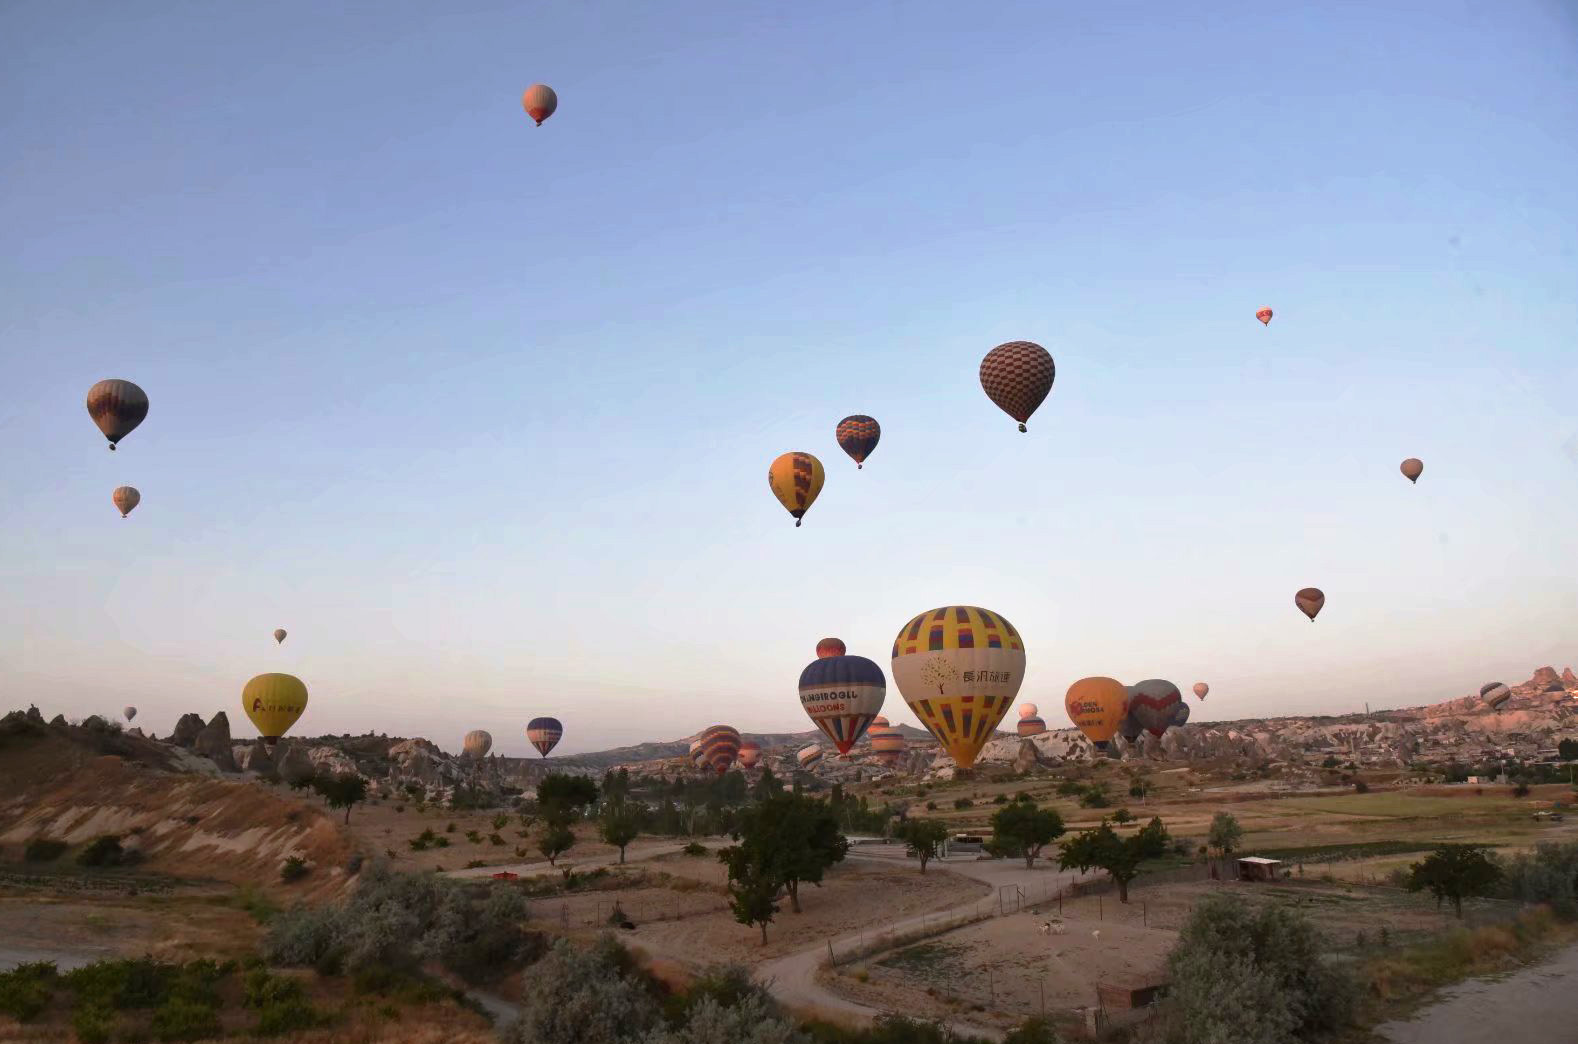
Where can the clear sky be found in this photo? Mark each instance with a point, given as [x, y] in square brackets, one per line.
[481, 412]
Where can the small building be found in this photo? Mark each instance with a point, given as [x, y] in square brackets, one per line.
[1258, 868]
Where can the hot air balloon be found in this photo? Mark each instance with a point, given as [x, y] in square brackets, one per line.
[887, 742]
[129, 712]
[1412, 468]
[544, 733]
[810, 755]
[1152, 703]
[125, 498]
[117, 407]
[830, 647]
[750, 754]
[477, 744]
[279, 635]
[1030, 724]
[796, 479]
[1309, 600]
[1495, 694]
[540, 102]
[719, 746]
[841, 694]
[1018, 376]
[274, 702]
[1180, 715]
[1200, 689]
[1128, 728]
[1264, 315]
[959, 667]
[857, 436]
[1097, 706]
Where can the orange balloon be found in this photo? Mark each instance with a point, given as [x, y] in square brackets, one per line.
[1412, 468]
[1097, 706]
[1264, 315]
[540, 102]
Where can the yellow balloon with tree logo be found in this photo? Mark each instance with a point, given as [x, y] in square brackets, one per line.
[959, 668]
[796, 479]
[274, 702]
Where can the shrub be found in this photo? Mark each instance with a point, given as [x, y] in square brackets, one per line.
[931, 806]
[1001, 799]
[1244, 974]
[260, 988]
[695, 848]
[583, 997]
[495, 839]
[962, 803]
[92, 1024]
[294, 869]
[1521, 790]
[103, 851]
[450, 828]
[182, 1019]
[474, 837]
[43, 850]
[475, 864]
[25, 990]
[1547, 875]
[501, 821]
[288, 1016]
[1070, 788]
[1360, 787]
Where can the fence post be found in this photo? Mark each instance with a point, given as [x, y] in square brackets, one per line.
[1100, 908]
[1145, 914]
[831, 960]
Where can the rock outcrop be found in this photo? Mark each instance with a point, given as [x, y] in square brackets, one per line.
[293, 763]
[213, 743]
[186, 730]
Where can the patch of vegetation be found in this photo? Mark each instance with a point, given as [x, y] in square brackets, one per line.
[43, 850]
[26, 989]
[261, 908]
[293, 869]
[927, 959]
[103, 851]
[963, 803]
[397, 921]
[695, 848]
[1344, 850]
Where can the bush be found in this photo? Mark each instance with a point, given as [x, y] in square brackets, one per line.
[1094, 796]
[931, 806]
[104, 851]
[182, 1019]
[1521, 790]
[495, 839]
[288, 1016]
[695, 848]
[43, 850]
[474, 837]
[92, 1024]
[583, 997]
[1001, 799]
[1070, 788]
[294, 869]
[1242, 974]
[25, 990]
[475, 864]
[1548, 875]
[963, 803]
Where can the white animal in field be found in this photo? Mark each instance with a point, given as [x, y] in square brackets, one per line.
[1053, 928]
[1095, 933]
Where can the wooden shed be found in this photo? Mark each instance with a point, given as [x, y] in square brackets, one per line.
[1257, 868]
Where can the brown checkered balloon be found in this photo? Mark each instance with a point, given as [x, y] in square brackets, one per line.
[1018, 376]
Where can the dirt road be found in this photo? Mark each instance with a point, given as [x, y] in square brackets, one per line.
[1533, 1004]
[793, 979]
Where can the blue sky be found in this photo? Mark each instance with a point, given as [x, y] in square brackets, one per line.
[481, 412]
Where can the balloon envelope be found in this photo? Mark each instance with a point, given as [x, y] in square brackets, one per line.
[887, 744]
[1264, 315]
[1495, 694]
[477, 744]
[1028, 710]
[810, 755]
[274, 702]
[750, 754]
[796, 480]
[959, 668]
[544, 733]
[857, 436]
[279, 635]
[718, 748]
[1310, 600]
[1200, 689]
[1180, 715]
[830, 647]
[1097, 706]
[1031, 725]
[1153, 703]
[540, 102]
[130, 712]
[1018, 376]
[125, 499]
[1128, 728]
[1412, 468]
[841, 694]
[117, 407]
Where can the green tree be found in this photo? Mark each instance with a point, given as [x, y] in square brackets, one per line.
[1567, 750]
[924, 837]
[560, 794]
[1455, 872]
[1120, 857]
[753, 885]
[1122, 816]
[768, 785]
[795, 838]
[556, 839]
[1246, 972]
[620, 823]
[1025, 828]
[342, 791]
[1225, 834]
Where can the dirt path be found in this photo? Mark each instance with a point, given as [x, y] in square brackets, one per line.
[793, 979]
[1533, 1004]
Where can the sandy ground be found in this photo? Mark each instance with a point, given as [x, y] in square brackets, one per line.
[1538, 1003]
[79, 932]
[854, 896]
